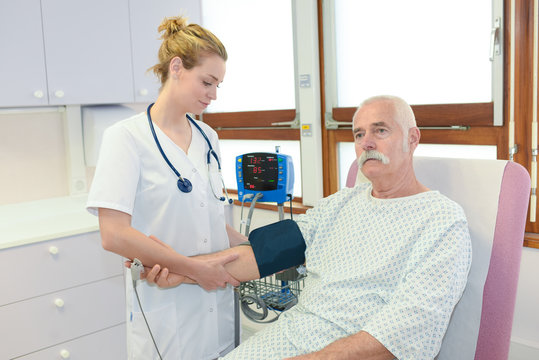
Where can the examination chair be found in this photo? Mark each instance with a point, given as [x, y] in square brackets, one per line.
[494, 195]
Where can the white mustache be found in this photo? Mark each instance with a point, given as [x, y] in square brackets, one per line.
[371, 154]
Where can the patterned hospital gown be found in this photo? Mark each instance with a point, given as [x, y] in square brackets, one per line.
[394, 268]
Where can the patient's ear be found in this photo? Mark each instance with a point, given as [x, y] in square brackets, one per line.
[414, 135]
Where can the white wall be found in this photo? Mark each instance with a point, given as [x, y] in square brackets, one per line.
[32, 157]
[525, 334]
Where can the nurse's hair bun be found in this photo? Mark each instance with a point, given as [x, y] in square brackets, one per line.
[172, 25]
[189, 42]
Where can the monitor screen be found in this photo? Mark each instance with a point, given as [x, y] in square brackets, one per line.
[260, 171]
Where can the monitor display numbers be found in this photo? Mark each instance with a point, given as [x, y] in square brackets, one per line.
[260, 171]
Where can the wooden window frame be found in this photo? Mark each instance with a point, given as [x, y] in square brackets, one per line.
[253, 125]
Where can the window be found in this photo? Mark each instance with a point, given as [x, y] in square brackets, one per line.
[260, 98]
[446, 62]
[428, 52]
[259, 42]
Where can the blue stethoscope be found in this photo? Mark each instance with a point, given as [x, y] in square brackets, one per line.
[184, 184]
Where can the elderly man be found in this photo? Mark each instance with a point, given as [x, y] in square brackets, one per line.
[387, 261]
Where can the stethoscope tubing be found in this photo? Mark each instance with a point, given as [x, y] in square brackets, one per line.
[183, 183]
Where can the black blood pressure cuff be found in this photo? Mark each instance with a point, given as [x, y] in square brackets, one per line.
[277, 247]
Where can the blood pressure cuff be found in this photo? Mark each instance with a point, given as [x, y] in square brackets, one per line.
[277, 247]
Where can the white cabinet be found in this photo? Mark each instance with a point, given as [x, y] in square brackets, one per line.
[62, 52]
[60, 297]
[88, 52]
[71, 52]
[80, 52]
[22, 63]
[145, 17]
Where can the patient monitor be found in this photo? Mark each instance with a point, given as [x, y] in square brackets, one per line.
[268, 174]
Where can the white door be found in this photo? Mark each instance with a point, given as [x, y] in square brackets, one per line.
[22, 61]
[145, 19]
[88, 51]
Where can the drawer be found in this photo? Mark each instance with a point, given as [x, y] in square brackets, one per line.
[109, 344]
[34, 324]
[41, 268]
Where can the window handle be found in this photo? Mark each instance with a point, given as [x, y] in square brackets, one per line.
[495, 47]
[294, 124]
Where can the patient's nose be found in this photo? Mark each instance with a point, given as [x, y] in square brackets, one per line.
[368, 142]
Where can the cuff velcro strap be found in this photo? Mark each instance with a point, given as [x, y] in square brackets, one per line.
[277, 247]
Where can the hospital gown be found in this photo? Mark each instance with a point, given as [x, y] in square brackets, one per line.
[394, 268]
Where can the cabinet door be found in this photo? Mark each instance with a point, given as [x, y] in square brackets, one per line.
[145, 17]
[88, 51]
[22, 63]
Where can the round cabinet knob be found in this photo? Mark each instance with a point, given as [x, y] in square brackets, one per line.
[38, 94]
[53, 250]
[64, 354]
[59, 93]
[143, 92]
[59, 303]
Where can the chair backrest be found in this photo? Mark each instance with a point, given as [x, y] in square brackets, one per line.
[494, 195]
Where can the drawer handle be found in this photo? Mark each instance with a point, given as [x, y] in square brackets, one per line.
[59, 303]
[53, 250]
[64, 354]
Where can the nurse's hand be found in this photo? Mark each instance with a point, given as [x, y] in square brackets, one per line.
[211, 273]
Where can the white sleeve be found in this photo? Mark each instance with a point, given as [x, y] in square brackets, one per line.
[117, 173]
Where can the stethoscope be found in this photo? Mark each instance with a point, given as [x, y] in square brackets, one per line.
[184, 184]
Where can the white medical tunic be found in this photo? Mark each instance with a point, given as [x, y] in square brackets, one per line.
[187, 321]
[394, 268]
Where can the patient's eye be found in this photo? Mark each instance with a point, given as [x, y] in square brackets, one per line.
[381, 132]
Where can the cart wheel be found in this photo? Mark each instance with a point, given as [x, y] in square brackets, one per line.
[252, 314]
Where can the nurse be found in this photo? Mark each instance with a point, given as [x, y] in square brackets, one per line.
[136, 194]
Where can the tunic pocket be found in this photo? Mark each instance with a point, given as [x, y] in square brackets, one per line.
[163, 326]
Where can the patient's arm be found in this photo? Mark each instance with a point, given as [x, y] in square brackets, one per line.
[358, 346]
[243, 268]
[275, 247]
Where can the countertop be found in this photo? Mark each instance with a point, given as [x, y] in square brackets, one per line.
[41, 220]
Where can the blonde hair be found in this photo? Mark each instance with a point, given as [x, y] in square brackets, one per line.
[189, 42]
